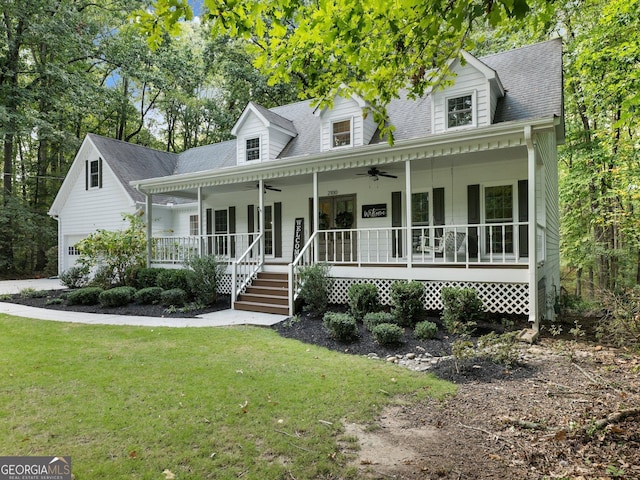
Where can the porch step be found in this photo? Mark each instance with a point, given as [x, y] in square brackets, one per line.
[268, 293]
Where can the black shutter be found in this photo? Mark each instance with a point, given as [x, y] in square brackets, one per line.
[277, 229]
[523, 216]
[86, 176]
[99, 172]
[232, 230]
[311, 219]
[473, 218]
[396, 221]
[209, 230]
[438, 212]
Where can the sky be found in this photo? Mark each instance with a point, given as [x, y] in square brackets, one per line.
[196, 6]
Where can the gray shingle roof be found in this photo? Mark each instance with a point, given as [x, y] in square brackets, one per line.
[531, 76]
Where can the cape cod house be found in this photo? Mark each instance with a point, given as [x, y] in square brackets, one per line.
[466, 196]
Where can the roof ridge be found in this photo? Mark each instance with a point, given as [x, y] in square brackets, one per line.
[522, 47]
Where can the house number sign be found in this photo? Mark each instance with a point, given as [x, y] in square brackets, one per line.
[374, 211]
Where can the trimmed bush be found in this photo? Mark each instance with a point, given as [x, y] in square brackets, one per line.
[363, 299]
[206, 273]
[176, 297]
[315, 286]
[149, 295]
[117, 297]
[85, 296]
[388, 334]
[425, 330]
[408, 302]
[75, 277]
[147, 277]
[169, 279]
[462, 307]
[104, 277]
[373, 319]
[341, 326]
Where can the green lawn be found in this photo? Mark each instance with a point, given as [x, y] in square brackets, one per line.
[132, 402]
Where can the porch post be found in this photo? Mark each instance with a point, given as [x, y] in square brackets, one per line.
[149, 220]
[200, 239]
[533, 226]
[408, 236]
[261, 218]
[316, 213]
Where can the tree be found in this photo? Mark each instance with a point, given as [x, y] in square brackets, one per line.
[347, 47]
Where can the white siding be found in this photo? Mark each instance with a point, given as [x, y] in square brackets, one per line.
[252, 128]
[468, 81]
[343, 109]
[277, 141]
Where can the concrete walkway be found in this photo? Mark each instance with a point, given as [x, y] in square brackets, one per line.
[222, 318]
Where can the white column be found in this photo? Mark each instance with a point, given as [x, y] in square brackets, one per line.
[261, 218]
[408, 236]
[200, 239]
[316, 215]
[149, 220]
[533, 227]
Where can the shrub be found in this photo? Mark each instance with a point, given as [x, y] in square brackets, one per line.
[372, 319]
[147, 277]
[500, 349]
[425, 330]
[169, 279]
[408, 301]
[149, 295]
[85, 296]
[33, 293]
[315, 286]
[206, 273]
[55, 301]
[461, 309]
[388, 334]
[341, 326]
[104, 277]
[75, 277]
[118, 296]
[363, 299]
[173, 297]
[621, 323]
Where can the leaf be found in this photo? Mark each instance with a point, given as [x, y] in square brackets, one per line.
[560, 436]
[133, 454]
[168, 474]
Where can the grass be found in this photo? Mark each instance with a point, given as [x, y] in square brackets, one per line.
[226, 403]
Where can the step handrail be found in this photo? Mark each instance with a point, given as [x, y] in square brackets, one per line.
[308, 251]
[245, 268]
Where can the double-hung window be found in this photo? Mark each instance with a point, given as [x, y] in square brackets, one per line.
[498, 209]
[94, 173]
[460, 111]
[253, 149]
[341, 134]
[193, 225]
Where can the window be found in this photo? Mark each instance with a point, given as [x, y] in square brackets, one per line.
[221, 228]
[193, 225]
[498, 209]
[268, 230]
[341, 135]
[253, 149]
[94, 174]
[73, 251]
[459, 111]
[420, 218]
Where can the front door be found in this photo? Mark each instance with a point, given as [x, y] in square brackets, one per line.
[337, 217]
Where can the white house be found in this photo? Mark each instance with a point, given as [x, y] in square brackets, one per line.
[466, 196]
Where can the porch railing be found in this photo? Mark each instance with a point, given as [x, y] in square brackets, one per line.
[179, 249]
[245, 268]
[304, 259]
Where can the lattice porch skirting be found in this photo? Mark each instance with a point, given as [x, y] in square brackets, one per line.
[508, 298]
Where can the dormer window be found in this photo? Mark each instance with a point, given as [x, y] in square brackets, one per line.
[253, 149]
[460, 111]
[341, 133]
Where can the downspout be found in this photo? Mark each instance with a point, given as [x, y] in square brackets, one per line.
[533, 225]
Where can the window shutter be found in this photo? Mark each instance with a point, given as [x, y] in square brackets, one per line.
[86, 174]
[99, 172]
[277, 229]
[232, 230]
[438, 206]
[312, 220]
[473, 218]
[396, 221]
[523, 216]
[250, 221]
[209, 230]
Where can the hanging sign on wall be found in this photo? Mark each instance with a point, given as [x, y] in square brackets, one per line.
[374, 211]
[298, 237]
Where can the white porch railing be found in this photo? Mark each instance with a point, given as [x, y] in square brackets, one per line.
[304, 259]
[179, 249]
[245, 268]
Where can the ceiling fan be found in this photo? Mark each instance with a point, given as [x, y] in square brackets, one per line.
[375, 173]
[269, 187]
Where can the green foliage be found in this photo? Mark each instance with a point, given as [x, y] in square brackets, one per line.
[388, 334]
[147, 277]
[500, 349]
[170, 278]
[117, 252]
[363, 298]
[149, 295]
[621, 323]
[104, 277]
[463, 351]
[55, 301]
[85, 296]
[462, 307]
[33, 293]
[315, 287]
[341, 326]
[425, 330]
[408, 301]
[174, 297]
[371, 319]
[75, 277]
[117, 297]
[207, 271]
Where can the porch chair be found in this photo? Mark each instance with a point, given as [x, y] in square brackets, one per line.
[449, 244]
